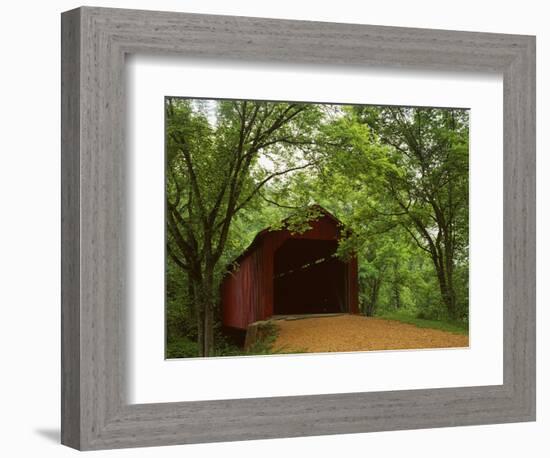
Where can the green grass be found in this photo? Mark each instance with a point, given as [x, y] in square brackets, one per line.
[404, 317]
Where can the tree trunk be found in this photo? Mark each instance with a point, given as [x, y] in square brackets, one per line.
[396, 295]
[373, 297]
[200, 329]
[205, 302]
[396, 286]
[209, 329]
[446, 286]
[450, 296]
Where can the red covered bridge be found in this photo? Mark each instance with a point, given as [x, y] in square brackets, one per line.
[284, 273]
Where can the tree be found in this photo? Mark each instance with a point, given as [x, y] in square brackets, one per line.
[430, 188]
[219, 157]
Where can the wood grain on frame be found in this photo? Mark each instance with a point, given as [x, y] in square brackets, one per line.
[95, 413]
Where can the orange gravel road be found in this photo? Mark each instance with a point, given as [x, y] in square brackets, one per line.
[358, 333]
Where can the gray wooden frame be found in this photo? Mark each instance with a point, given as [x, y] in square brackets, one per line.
[95, 414]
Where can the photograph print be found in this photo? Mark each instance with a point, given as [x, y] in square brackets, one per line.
[296, 227]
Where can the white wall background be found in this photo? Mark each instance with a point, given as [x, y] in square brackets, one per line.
[30, 246]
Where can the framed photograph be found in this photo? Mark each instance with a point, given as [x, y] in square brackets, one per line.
[277, 228]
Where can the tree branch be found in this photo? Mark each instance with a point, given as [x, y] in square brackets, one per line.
[184, 149]
[277, 204]
[175, 258]
[269, 178]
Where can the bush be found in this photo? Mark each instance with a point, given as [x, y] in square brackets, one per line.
[181, 347]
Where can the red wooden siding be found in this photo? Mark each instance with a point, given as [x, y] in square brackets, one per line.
[248, 293]
[242, 293]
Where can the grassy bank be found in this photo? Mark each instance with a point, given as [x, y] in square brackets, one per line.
[449, 326]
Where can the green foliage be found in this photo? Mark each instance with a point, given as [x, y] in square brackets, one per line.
[181, 347]
[449, 326]
[264, 345]
[181, 319]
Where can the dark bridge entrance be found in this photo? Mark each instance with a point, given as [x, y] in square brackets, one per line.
[308, 278]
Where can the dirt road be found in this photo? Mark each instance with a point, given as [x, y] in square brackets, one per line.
[358, 333]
